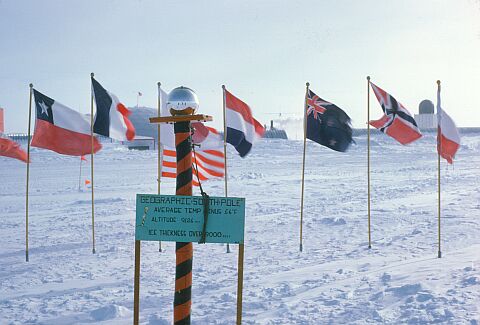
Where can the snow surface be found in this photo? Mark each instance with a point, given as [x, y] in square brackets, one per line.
[335, 280]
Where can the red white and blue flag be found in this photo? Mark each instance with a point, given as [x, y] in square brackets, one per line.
[61, 129]
[448, 137]
[111, 119]
[242, 128]
[396, 121]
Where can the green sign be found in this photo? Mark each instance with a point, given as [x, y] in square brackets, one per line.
[180, 218]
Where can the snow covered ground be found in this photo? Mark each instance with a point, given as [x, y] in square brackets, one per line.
[335, 280]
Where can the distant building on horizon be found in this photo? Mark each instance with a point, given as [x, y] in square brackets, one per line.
[426, 119]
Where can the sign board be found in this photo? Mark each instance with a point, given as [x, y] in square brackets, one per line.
[180, 218]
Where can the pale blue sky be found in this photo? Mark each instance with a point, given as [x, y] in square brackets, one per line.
[264, 51]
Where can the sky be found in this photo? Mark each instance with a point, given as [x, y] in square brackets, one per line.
[264, 51]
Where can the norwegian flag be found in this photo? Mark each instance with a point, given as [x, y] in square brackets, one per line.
[396, 121]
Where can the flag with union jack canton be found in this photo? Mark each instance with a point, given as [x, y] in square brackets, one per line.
[396, 120]
[327, 124]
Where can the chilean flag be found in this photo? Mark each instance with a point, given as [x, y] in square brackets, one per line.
[242, 128]
[448, 138]
[111, 119]
[61, 129]
[9, 148]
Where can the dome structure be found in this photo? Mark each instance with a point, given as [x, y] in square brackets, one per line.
[426, 107]
[182, 98]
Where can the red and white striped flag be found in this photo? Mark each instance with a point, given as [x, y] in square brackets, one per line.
[209, 158]
[210, 164]
[448, 137]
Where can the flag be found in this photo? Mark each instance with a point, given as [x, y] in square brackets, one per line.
[206, 137]
[242, 128]
[448, 137]
[82, 158]
[10, 148]
[2, 123]
[209, 158]
[61, 129]
[167, 134]
[396, 121]
[327, 124]
[87, 182]
[111, 119]
[210, 164]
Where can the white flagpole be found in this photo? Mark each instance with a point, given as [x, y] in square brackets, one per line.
[368, 161]
[439, 149]
[225, 148]
[91, 168]
[159, 146]
[303, 164]
[28, 171]
[80, 174]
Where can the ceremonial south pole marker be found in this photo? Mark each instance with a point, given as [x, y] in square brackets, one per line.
[180, 218]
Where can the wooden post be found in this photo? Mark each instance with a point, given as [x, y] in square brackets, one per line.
[303, 164]
[225, 148]
[439, 149]
[91, 167]
[241, 248]
[368, 161]
[136, 284]
[28, 171]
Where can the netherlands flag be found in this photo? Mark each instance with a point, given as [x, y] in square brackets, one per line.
[242, 128]
[111, 119]
[61, 129]
[448, 137]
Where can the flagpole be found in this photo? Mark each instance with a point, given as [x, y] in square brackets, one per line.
[439, 144]
[303, 164]
[225, 149]
[91, 164]
[159, 148]
[368, 161]
[28, 171]
[80, 174]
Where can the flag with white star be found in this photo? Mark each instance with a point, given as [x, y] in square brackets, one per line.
[327, 124]
[61, 129]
